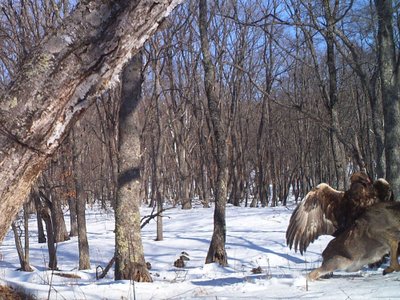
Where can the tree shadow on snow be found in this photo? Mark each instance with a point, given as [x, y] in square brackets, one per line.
[259, 248]
[234, 280]
[219, 281]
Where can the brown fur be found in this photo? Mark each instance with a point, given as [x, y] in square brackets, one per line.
[374, 234]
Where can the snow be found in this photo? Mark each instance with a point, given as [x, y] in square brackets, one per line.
[255, 238]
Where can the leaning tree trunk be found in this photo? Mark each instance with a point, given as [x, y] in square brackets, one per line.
[216, 252]
[129, 255]
[59, 80]
[390, 90]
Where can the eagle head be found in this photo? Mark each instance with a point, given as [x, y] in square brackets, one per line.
[360, 177]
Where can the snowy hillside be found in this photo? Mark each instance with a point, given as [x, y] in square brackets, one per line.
[255, 239]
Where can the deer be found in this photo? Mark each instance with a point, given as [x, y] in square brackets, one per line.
[374, 234]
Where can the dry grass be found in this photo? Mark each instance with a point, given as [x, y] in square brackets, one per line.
[7, 293]
[68, 275]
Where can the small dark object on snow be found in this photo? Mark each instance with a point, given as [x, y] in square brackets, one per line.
[180, 262]
[257, 270]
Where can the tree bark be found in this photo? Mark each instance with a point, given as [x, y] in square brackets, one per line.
[261, 186]
[45, 213]
[26, 237]
[332, 97]
[129, 254]
[23, 255]
[43, 209]
[216, 252]
[390, 90]
[80, 201]
[41, 235]
[369, 84]
[160, 230]
[57, 218]
[73, 217]
[58, 81]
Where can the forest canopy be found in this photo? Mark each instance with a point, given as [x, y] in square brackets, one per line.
[300, 84]
[241, 102]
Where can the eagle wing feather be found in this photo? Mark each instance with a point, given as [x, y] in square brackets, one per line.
[313, 217]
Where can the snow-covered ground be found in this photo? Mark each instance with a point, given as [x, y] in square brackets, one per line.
[255, 238]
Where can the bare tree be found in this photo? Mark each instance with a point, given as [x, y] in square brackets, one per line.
[23, 251]
[80, 199]
[216, 252]
[390, 90]
[129, 255]
[43, 207]
[59, 79]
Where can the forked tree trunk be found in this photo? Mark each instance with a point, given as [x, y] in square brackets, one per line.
[59, 81]
[216, 252]
[43, 209]
[129, 255]
[23, 253]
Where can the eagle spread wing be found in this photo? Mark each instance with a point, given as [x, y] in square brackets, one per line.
[314, 216]
[325, 210]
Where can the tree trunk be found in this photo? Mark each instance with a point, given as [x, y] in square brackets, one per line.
[261, 186]
[43, 209]
[378, 130]
[216, 252]
[57, 217]
[26, 237]
[184, 186]
[23, 257]
[73, 217]
[41, 235]
[80, 201]
[390, 90]
[332, 98]
[59, 80]
[160, 230]
[130, 262]
[369, 84]
[45, 213]
[83, 244]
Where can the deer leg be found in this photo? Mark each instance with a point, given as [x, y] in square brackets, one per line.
[394, 263]
[328, 266]
[316, 274]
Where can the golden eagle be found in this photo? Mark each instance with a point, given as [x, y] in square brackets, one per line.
[326, 211]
